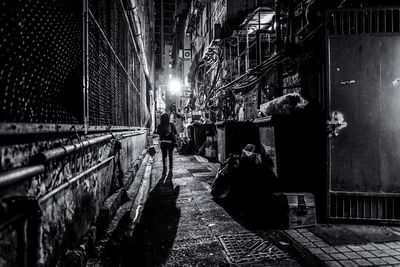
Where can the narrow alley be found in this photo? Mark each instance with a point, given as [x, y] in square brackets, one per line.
[282, 118]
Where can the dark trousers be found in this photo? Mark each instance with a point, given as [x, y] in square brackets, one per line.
[167, 148]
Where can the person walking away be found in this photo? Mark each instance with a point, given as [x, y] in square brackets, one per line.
[167, 132]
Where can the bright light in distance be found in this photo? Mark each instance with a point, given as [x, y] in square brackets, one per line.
[174, 87]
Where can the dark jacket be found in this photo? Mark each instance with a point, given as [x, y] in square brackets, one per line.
[167, 133]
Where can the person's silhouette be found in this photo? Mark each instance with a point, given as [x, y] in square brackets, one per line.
[167, 132]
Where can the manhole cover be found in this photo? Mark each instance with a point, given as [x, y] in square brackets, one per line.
[198, 170]
[249, 248]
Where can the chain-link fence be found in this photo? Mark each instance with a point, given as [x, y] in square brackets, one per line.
[42, 59]
[117, 90]
[41, 63]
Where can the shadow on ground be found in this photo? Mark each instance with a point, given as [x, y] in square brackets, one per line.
[155, 234]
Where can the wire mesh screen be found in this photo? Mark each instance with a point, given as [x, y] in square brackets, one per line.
[117, 86]
[41, 66]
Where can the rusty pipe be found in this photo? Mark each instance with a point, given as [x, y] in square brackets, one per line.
[74, 179]
[62, 151]
[13, 176]
[130, 134]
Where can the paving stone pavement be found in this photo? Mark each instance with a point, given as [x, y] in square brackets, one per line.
[372, 254]
[181, 223]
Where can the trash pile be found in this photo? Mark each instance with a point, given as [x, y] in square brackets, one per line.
[245, 180]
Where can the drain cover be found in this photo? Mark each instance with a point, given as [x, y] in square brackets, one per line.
[199, 170]
[249, 248]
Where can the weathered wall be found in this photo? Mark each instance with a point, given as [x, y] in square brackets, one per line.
[68, 214]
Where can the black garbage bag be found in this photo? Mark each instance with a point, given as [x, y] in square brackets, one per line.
[224, 178]
[254, 181]
[246, 181]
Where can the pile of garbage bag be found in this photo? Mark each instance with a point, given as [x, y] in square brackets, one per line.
[245, 179]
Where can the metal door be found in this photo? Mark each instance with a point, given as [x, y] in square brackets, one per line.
[364, 156]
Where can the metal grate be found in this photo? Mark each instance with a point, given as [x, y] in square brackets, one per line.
[364, 21]
[198, 170]
[117, 94]
[364, 206]
[41, 62]
[251, 248]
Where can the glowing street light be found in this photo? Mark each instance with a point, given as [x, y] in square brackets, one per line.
[174, 87]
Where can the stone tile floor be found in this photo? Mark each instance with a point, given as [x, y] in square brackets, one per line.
[371, 254]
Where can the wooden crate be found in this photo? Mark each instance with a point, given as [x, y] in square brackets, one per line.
[295, 209]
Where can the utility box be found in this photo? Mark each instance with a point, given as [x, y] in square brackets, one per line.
[295, 209]
[233, 136]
